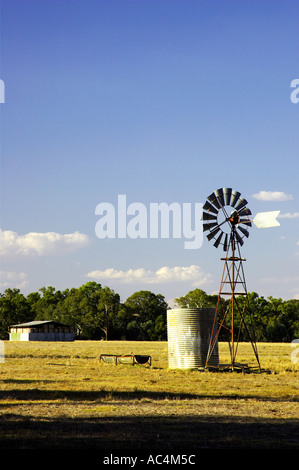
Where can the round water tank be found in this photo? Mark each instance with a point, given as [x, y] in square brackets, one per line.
[189, 331]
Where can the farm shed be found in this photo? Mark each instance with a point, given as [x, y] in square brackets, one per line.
[47, 330]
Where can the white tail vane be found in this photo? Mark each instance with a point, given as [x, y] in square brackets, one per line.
[266, 219]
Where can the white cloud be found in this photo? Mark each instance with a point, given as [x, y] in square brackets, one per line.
[289, 215]
[33, 243]
[163, 275]
[13, 279]
[272, 196]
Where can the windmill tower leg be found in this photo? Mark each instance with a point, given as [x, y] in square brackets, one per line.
[233, 285]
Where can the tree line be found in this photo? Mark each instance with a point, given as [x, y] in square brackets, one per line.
[96, 312]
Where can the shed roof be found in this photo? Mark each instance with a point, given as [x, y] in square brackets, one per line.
[38, 323]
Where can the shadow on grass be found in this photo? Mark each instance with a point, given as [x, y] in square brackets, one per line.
[88, 395]
[28, 381]
[144, 432]
[147, 433]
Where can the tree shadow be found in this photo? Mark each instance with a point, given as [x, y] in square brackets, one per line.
[29, 381]
[90, 395]
[150, 432]
[139, 432]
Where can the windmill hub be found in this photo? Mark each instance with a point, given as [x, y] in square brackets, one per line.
[234, 218]
[227, 221]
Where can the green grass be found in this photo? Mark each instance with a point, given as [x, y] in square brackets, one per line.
[59, 395]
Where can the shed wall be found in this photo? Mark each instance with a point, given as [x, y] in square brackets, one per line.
[20, 336]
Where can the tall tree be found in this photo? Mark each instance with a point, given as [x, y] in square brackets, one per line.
[108, 306]
[145, 307]
[68, 310]
[196, 298]
[89, 294]
[45, 306]
[14, 309]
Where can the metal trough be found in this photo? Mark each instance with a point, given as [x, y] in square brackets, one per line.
[126, 359]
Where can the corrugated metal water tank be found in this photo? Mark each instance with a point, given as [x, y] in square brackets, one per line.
[189, 331]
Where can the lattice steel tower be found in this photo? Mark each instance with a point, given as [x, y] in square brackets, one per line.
[226, 219]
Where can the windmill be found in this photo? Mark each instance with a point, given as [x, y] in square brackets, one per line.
[226, 219]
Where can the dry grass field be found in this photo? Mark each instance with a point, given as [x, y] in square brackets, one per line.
[59, 395]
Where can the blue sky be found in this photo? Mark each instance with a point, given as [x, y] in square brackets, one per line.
[161, 101]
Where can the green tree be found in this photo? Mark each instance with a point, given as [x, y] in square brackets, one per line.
[68, 310]
[196, 298]
[97, 309]
[144, 307]
[252, 308]
[160, 331]
[89, 294]
[14, 309]
[32, 300]
[291, 318]
[108, 306]
[46, 305]
[123, 323]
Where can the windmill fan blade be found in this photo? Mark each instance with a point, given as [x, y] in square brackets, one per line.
[245, 221]
[227, 195]
[213, 233]
[234, 197]
[208, 216]
[237, 218]
[225, 244]
[216, 244]
[213, 199]
[209, 226]
[242, 202]
[208, 207]
[220, 196]
[244, 231]
[239, 239]
[244, 211]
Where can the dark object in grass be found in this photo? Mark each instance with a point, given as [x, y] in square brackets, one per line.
[126, 359]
